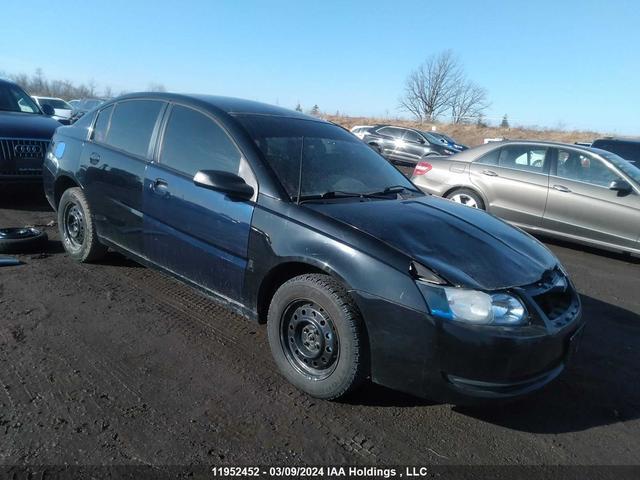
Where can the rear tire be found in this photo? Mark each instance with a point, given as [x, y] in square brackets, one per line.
[317, 336]
[466, 197]
[77, 229]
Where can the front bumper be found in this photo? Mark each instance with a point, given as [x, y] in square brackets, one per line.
[451, 362]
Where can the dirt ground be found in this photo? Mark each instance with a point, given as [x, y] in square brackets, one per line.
[113, 363]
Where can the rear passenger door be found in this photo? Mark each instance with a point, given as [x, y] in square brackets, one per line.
[581, 204]
[201, 235]
[115, 158]
[392, 140]
[515, 181]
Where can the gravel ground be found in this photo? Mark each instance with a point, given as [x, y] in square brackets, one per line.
[113, 363]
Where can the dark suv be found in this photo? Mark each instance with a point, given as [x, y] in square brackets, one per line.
[405, 147]
[629, 149]
[293, 221]
[25, 133]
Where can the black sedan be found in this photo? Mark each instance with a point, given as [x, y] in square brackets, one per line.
[292, 221]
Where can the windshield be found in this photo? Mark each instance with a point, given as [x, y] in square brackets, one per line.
[332, 159]
[628, 168]
[89, 104]
[433, 138]
[14, 99]
[55, 103]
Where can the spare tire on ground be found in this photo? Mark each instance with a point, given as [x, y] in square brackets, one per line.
[21, 240]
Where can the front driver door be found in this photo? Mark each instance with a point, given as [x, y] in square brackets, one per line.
[581, 205]
[199, 234]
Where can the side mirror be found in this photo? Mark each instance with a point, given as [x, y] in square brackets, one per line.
[620, 186]
[231, 184]
[421, 140]
[48, 110]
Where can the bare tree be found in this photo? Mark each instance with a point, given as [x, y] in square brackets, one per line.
[429, 89]
[468, 102]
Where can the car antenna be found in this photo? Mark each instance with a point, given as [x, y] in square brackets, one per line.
[300, 171]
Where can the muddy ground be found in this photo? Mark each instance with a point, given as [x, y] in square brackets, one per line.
[113, 363]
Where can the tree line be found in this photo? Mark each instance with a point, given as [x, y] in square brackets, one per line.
[39, 85]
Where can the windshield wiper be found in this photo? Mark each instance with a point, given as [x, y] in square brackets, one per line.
[328, 195]
[391, 190]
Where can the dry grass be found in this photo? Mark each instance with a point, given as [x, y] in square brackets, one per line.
[473, 135]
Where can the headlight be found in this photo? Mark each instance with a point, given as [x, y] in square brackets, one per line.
[472, 306]
[479, 308]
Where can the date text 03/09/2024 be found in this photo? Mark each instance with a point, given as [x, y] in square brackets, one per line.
[309, 471]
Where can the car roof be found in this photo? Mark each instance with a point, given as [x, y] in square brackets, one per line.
[229, 105]
[473, 153]
[47, 98]
[618, 139]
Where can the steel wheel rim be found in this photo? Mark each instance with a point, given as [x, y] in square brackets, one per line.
[464, 199]
[74, 226]
[309, 339]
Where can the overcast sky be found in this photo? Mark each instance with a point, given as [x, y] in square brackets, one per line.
[568, 63]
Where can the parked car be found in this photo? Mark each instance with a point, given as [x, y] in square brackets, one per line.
[360, 130]
[290, 220]
[62, 110]
[25, 132]
[404, 147]
[85, 105]
[627, 148]
[581, 194]
[449, 142]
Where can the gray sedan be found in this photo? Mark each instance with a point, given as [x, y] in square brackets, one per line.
[581, 194]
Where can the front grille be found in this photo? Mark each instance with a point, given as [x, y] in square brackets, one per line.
[22, 156]
[556, 298]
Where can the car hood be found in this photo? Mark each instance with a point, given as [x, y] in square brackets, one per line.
[26, 125]
[467, 247]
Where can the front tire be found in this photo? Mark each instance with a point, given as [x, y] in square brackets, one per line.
[466, 197]
[77, 229]
[317, 336]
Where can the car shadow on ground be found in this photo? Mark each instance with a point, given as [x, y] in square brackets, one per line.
[27, 198]
[623, 257]
[598, 388]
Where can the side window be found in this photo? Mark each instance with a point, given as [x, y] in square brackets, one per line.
[584, 168]
[411, 136]
[192, 141]
[102, 124]
[132, 124]
[392, 131]
[490, 158]
[523, 157]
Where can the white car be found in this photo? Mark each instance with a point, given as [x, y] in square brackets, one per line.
[61, 108]
[360, 130]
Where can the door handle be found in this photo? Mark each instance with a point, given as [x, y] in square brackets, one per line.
[94, 158]
[160, 187]
[489, 173]
[561, 188]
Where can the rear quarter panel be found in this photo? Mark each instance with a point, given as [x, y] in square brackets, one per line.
[444, 175]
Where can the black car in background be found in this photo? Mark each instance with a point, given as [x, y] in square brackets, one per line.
[293, 221]
[405, 147]
[25, 132]
[627, 148]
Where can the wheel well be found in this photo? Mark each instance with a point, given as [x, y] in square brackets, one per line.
[463, 187]
[277, 277]
[62, 184]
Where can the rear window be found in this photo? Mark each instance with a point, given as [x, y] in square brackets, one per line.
[132, 124]
[626, 150]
